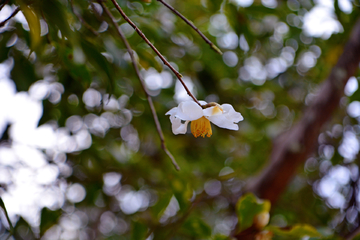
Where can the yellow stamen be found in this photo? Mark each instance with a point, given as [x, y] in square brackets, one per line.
[201, 127]
[217, 109]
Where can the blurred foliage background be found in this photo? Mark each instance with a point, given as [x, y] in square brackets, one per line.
[80, 156]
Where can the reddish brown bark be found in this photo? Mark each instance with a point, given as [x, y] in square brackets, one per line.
[293, 147]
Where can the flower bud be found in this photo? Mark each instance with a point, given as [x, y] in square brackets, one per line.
[261, 220]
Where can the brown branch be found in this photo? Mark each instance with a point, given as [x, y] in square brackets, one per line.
[213, 46]
[177, 74]
[293, 147]
[149, 99]
[1, 7]
[11, 16]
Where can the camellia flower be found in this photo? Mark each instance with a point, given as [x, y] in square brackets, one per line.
[223, 116]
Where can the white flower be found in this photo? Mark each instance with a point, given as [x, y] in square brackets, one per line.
[223, 116]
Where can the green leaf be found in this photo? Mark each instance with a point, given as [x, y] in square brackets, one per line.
[357, 237]
[79, 72]
[55, 15]
[196, 227]
[356, 95]
[23, 231]
[34, 24]
[48, 219]
[23, 72]
[98, 61]
[248, 207]
[139, 231]
[159, 208]
[2, 205]
[182, 192]
[6, 36]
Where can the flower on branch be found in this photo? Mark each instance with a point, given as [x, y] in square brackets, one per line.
[223, 116]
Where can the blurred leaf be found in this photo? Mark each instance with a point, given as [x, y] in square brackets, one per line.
[56, 17]
[6, 36]
[356, 95]
[79, 72]
[196, 227]
[236, 19]
[296, 231]
[23, 231]
[2, 205]
[182, 193]
[248, 207]
[23, 72]
[159, 208]
[94, 56]
[357, 237]
[34, 24]
[214, 5]
[48, 218]
[139, 231]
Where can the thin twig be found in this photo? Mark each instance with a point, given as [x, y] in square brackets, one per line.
[11, 16]
[1, 7]
[82, 20]
[177, 74]
[149, 99]
[213, 46]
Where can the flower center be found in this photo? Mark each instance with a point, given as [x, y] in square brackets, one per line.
[201, 127]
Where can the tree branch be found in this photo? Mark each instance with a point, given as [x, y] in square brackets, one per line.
[177, 74]
[293, 147]
[11, 16]
[1, 7]
[149, 99]
[213, 46]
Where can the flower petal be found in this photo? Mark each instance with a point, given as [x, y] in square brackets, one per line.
[172, 111]
[216, 110]
[189, 111]
[227, 119]
[177, 126]
[230, 113]
[223, 122]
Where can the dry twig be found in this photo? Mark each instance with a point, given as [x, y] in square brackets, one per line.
[149, 99]
[177, 74]
[1, 7]
[213, 46]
